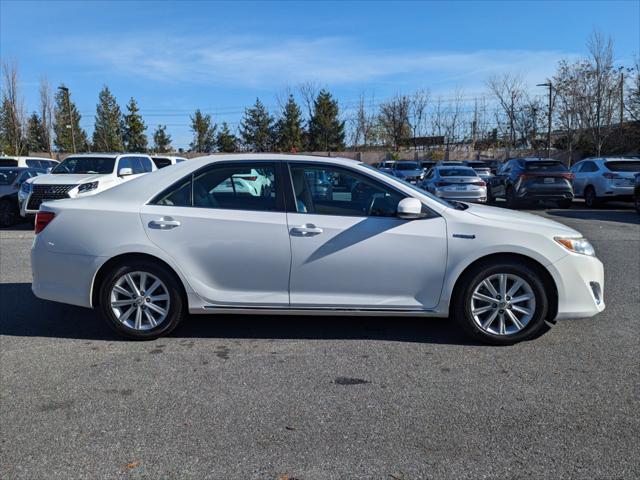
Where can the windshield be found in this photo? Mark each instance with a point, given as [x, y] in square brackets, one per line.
[624, 166]
[538, 166]
[100, 165]
[457, 172]
[407, 166]
[8, 176]
[414, 187]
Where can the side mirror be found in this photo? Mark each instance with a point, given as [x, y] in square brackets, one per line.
[49, 169]
[123, 172]
[410, 209]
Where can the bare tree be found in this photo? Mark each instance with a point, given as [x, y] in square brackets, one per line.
[418, 103]
[508, 89]
[393, 119]
[363, 123]
[567, 103]
[309, 92]
[632, 101]
[12, 113]
[600, 90]
[46, 112]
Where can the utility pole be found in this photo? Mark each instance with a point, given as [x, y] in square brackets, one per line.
[73, 138]
[621, 98]
[550, 86]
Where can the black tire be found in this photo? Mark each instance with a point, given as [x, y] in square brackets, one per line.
[637, 201]
[510, 197]
[461, 302]
[8, 213]
[176, 301]
[565, 203]
[490, 198]
[591, 200]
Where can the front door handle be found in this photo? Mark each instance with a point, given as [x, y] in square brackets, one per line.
[306, 230]
[164, 223]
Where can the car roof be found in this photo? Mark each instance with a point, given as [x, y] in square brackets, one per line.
[105, 154]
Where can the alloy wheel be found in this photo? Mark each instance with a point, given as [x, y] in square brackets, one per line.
[140, 300]
[503, 304]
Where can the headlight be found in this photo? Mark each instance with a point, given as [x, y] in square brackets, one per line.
[577, 245]
[87, 187]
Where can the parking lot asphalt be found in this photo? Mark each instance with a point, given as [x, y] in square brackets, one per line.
[262, 397]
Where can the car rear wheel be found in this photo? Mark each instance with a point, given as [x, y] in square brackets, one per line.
[565, 203]
[637, 200]
[510, 197]
[501, 304]
[591, 200]
[141, 300]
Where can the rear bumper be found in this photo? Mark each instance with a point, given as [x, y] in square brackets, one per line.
[63, 277]
[479, 195]
[580, 282]
[544, 194]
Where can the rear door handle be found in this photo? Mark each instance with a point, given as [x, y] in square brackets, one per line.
[165, 223]
[307, 230]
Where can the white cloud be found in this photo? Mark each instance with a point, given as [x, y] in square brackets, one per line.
[267, 62]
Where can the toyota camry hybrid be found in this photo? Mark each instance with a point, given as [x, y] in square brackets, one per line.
[194, 238]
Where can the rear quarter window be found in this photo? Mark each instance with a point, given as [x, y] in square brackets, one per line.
[8, 162]
[623, 166]
[545, 167]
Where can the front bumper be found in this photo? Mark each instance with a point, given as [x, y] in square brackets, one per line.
[580, 282]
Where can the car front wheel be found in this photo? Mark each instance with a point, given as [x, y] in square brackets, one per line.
[501, 304]
[141, 300]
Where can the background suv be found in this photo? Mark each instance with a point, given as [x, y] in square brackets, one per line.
[598, 179]
[28, 162]
[81, 175]
[11, 179]
[532, 179]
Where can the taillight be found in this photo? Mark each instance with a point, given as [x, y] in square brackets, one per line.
[481, 183]
[42, 220]
[249, 179]
[569, 176]
[611, 176]
[442, 184]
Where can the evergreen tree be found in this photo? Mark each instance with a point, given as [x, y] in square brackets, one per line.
[226, 142]
[135, 140]
[289, 128]
[107, 132]
[326, 131]
[204, 133]
[161, 140]
[12, 140]
[36, 134]
[62, 128]
[256, 128]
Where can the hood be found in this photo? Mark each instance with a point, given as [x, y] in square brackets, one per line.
[69, 179]
[520, 220]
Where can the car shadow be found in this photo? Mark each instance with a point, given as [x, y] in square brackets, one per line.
[24, 315]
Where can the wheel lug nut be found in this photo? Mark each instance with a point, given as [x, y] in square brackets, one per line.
[498, 297]
[495, 305]
[501, 311]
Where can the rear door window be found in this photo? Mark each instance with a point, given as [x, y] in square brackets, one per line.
[8, 162]
[161, 162]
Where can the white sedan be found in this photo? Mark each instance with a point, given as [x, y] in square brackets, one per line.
[148, 251]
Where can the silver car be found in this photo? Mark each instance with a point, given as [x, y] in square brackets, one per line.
[598, 179]
[456, 183]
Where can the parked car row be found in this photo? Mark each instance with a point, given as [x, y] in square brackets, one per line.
[526, 180]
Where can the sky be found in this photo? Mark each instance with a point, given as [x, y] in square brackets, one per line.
[176, 56]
